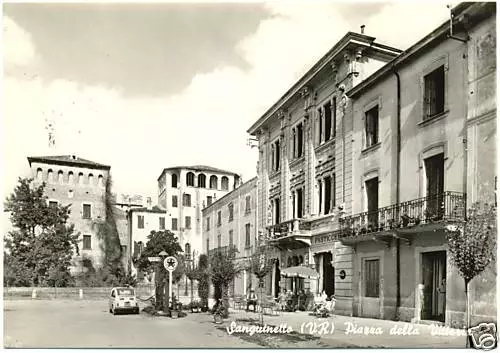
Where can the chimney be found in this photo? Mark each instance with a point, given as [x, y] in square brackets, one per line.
[148, 203]
[362, 29]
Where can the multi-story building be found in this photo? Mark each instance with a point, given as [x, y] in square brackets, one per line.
[81, 183]
[141, 222]
[305, 163]
[184, 191]
[229, 225]
[423, 136]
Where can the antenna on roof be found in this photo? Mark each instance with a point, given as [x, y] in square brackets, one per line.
[363, 29]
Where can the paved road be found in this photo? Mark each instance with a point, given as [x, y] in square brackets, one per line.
[75, 324]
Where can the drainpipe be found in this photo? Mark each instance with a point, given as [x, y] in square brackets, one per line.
[398, 178]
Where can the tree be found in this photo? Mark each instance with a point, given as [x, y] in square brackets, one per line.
[223, 270]
[39, 250]
[203, 277]
[159, 241]
[472, 245]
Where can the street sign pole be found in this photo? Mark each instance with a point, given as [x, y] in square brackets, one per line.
[170, 287]
[170, 264]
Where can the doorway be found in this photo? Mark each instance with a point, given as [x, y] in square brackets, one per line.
[434, 281]
[372, 201]
[434, 171]
[328, 274]
[277, 279]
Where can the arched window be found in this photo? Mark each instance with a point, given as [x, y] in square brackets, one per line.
[70, 178]
[225, 183]
[60, 177]
[301, 260]
[202, 181]
[50, 175]
[100, 180]
[80, 178]
[174, 180]
[213, 182]
[190, 179]
[188, 250]
[289, 262]
[39, 174]
[91, 179]
[295, 261]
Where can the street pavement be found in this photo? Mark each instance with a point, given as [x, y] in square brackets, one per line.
[88, 324]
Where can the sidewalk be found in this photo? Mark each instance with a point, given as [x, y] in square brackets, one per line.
[362, 332]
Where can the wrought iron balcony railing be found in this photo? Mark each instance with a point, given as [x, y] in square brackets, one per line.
[288, 227]
[448, 206]
[227, 250]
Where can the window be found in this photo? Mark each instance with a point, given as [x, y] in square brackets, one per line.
[231, 239]
[371, 126]
[298, 141]
[50, 176]
[70, 178]
[80, 178]
[219, 218]
[39, 174]
[53, 204]
[174, 200]
[87, 242]
[174, 223]
[186, 200]
[434, 93]
[209, 200]
[202, 181]
[372, 278]
[247, 235]
[225, 183]
[87, 211]
[187, 249]
[162, 223]
[219, 240]
[327, 121]
[208, 245]
[434, 171]
[231, 213]
[372, 201]
[70, 194]
[190, 179]
[276, 205]
[298, 202]
[208, 223]
[247, 205]
[188, 222]
[174, 180]
[213, 182]
[100, 180]
[91, 179]
[60, 177]
[140, 222]
[275, 155]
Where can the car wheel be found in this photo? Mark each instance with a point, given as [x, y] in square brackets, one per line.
[114, 311]
[137, 311]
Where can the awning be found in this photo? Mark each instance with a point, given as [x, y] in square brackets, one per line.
[300, 271]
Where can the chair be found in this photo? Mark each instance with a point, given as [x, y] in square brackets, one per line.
[239, 302]
[270, 305]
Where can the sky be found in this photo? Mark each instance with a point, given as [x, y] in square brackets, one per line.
[142, 87]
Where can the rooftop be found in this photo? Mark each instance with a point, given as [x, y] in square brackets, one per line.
[68, 160]
[154, 209]
[200, 168]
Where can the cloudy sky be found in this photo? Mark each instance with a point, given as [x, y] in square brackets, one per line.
[146, 86]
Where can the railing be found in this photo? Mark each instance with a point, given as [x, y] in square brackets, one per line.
[446, 206]
[229, 251]
[288, 227]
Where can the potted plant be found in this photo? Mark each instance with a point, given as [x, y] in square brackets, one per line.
[405, 219]
[194, 306]
[428, 214]
[417, 221]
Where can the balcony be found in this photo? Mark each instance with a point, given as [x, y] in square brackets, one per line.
[406, 217]
[229, 251]
[294, 233]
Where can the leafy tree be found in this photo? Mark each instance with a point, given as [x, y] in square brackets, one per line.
[159, 241]
[203, 277]
[472, 245]
[222, 272]
[39, 250]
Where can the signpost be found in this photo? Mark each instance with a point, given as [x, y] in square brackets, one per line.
[170, 264]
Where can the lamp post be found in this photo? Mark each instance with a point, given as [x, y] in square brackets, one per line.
[160, 289]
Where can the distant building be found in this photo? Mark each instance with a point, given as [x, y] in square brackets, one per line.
[81, 183]
[229, 225]
[184, 191]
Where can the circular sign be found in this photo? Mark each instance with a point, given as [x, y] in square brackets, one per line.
[170, 263]
[342, 274]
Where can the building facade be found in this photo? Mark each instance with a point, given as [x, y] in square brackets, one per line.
[305, 168]
[81, 183]
[423, 150]
[229, 225]
[184, 191]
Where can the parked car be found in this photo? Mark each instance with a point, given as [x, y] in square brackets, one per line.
[122, 300]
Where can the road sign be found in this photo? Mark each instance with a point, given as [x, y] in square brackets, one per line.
[170, 263]
[154, 259]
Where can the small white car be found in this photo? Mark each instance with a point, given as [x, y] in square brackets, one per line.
[123, 300]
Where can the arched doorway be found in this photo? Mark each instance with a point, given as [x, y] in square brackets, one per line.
[328, 274]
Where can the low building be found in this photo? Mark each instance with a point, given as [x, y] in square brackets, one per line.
[229, 225]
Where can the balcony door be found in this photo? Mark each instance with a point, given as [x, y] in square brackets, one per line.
[328, 274]
[372, 201]
[434, 171]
